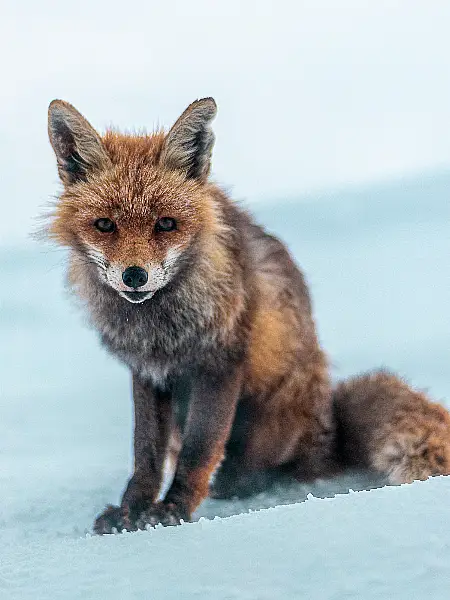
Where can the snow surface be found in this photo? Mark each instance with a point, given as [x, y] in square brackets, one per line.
[377, 262]
[389, 543]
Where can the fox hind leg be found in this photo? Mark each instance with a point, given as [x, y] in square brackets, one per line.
[289, 434]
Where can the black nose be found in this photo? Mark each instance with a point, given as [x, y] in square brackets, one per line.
[134, 277]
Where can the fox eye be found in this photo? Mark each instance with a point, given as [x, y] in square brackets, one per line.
[165, 224]
[105, 225]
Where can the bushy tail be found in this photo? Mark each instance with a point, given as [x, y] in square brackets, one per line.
[384, 425]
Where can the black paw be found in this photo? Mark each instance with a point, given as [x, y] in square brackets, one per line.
[161, 513]
[114, 519]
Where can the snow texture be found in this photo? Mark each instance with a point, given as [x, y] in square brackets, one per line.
[377, 262]
[388, 543]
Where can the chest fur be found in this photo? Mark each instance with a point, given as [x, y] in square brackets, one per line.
[156, 339]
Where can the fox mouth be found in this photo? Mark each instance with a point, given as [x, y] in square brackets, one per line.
[136, 297]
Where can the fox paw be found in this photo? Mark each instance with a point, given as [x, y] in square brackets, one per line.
[161, 513]
[114, 519]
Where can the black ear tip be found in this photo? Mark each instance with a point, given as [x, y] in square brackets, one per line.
[209, 101]
[60, 109]
[207, 106]
[56, 111]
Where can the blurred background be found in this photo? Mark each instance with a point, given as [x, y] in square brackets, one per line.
[312, 95]
[333, 127]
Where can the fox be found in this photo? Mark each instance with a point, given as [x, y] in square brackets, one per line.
[214, 320]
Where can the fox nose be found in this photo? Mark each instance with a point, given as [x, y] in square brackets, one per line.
[134, 277]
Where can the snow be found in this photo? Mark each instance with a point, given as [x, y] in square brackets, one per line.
[388, 543]
[377, 262]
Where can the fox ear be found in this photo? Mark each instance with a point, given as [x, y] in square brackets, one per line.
[78, 147]
[188, 145]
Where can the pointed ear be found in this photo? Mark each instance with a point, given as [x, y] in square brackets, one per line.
[188, 145]
[78, 147]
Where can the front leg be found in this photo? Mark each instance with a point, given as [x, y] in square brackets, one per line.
[210, 417]
[152, 427]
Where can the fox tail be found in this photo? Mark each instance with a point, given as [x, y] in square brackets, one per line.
[386, 426]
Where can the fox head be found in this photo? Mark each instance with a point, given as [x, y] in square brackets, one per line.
[134, 207]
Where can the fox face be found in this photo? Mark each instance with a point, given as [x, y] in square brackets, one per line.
[135, 209]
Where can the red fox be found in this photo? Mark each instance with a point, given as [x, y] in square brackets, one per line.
[214, 320]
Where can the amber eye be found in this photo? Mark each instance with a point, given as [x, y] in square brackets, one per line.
[165, 224]
[105, 225]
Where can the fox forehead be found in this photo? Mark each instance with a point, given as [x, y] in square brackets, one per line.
[135, 201]
[132, 198]
[133, 187]
[135, 198]
[140, 150]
